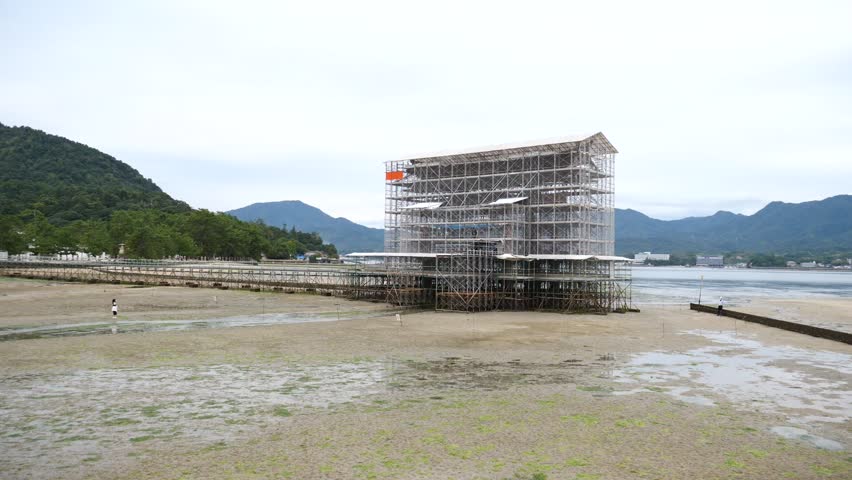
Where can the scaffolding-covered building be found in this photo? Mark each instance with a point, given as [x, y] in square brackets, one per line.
[516, 227]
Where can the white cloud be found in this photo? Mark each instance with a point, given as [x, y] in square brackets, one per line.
[743, 102]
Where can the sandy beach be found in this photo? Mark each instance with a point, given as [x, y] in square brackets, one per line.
[665, 393]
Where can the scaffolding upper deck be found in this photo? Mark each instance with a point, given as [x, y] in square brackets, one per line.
[548, 197]
[597, 141]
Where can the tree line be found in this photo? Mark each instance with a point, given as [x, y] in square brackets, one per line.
[69, 181]
[151, 233]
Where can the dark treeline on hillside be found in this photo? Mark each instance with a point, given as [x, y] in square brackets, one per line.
[60, 196]
[69, 181]
[156, 234]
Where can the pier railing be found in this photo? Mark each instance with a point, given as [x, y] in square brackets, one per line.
[339, 280]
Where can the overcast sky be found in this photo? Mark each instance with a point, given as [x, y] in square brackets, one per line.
[713, 105]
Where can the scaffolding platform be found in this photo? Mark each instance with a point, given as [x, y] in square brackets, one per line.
[513, 227]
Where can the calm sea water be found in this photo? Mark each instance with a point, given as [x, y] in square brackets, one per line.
[736, 285]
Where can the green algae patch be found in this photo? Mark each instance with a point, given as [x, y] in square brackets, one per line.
[585, 419]
[117, 422]
[281, 411]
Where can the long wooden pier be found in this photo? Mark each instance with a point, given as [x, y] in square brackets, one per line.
[414, 285]
[349, 281]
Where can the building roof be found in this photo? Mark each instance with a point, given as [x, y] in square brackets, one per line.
[558, 144]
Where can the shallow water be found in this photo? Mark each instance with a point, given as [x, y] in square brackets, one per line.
[793, 433]
[100, 328]
[679, 285]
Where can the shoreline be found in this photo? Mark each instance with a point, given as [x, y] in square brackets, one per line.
[792, 269]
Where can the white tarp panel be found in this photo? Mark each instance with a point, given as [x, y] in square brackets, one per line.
[507, 201]
[509, 256]
[424, 206]
[612, 258]
[560, 257]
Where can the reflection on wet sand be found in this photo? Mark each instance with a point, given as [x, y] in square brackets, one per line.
[752, 375]
[99, 328]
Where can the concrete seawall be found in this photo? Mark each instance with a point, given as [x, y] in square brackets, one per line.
[782, 324]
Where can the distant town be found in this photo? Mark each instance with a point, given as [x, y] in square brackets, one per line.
[735, 261]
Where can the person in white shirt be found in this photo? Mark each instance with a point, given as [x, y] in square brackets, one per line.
[114, 308]
[719, 310]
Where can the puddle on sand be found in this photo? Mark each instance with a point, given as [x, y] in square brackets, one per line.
[101, 328]
[808, 386]
[53, 420]
[793, 433]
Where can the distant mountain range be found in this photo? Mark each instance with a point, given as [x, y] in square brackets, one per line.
[346, 235]
[823, 226]
[69, 182]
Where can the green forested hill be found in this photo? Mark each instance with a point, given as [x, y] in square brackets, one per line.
[57, 195]
[817, 227]
[68, 181]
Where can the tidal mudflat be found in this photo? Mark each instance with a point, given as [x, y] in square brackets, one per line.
[665, 393]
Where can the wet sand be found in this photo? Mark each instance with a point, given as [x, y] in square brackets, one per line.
[666, 393]
[831, 313]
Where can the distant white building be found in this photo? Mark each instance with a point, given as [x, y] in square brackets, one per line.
[4, 256]
[792, 264]
[808, 264]
[709, 261]
[645, 256]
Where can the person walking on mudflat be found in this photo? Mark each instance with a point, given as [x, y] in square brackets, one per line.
[114, 308]
[719, 310]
